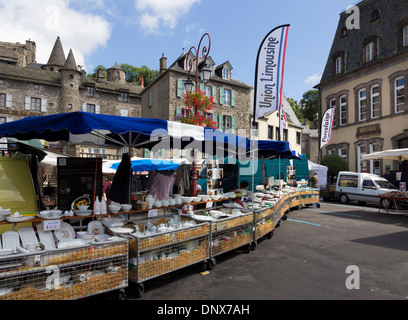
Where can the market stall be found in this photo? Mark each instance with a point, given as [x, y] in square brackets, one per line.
[161, 235]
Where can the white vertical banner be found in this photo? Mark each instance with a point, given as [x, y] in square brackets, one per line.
[327, 126]
[269, 71]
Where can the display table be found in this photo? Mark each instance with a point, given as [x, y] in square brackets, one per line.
[393, 197]
[65, 274]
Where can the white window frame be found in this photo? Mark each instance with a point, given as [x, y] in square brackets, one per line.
[360, 101]
[342, 152]
[396, 89]
[372, 103]
[225, 74]
[227, 123]
[208, 91]
[227, 97]
[343, 110]
[370, 52]
[405, 36]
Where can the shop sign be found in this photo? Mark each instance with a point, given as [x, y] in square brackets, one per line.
[369, 130]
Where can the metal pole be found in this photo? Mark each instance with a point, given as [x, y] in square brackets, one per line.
[194, 174]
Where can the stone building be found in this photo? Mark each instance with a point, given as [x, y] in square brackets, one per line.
[28, 88]
[232, 98]
[365, 80]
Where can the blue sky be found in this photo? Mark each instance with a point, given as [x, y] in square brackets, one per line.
[137, 32]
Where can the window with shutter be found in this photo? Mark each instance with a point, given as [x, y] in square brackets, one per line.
[179, 87]
[221, 95]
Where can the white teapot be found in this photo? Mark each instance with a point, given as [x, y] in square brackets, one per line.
[157, 203]
[165, 203]
[150, 201]
[172, 201]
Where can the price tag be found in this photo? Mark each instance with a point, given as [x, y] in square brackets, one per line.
[52, 225]
[209, 204]
[152, 213]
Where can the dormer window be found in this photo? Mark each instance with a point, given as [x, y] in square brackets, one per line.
[344, 33]
[339, 63]
[370, 49]
[370, 52]
[90, 91]
[225, 74]
[375, 16]
[405, 36]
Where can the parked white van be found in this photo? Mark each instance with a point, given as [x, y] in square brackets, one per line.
[362, 187]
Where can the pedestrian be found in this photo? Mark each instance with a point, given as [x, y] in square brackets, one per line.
[244, 185]
[106, 187]
[386, 175]
[314, 180]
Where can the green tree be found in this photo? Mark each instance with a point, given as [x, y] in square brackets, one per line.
[296, 109]
[133, 74]
[335, 164]
[309, 105]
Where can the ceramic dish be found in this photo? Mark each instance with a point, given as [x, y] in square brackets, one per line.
[202, 218]
[27, 235]
[10, 240]
[69, 243]
[126, 207]
[121, 230]
[19, 218]
[66, 232]
[102, 237]
[95, 228]
[46, 237]
[83, 213]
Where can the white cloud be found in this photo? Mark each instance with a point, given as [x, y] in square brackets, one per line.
[313, 79]
[43, 20]
[158, 14]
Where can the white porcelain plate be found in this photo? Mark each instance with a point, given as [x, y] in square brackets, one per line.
[66, 231]
[27, 235]
[121, 230]
[11, 240]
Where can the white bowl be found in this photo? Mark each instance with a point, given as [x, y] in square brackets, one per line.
[204, 197]
[114, 208]
[126, 207]
[45, 213]
[187, 199]
[215, 197]
[83, 208]
[196, 199]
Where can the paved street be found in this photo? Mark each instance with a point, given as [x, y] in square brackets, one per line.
[306, 259]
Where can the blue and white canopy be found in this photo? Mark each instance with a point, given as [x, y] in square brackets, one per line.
[100, 129]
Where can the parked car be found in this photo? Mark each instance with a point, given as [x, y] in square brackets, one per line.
[363, 188]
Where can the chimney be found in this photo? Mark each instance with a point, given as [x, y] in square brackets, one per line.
[141, 82]
[163, 64]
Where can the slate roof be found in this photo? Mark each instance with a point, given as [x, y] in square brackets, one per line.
[392, 12]
[57, 57]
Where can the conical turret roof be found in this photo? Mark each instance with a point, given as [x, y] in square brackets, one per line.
[70, 62]
[57, 57]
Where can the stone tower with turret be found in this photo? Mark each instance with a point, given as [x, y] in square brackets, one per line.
[70, 78]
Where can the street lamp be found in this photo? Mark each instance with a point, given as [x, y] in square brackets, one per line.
[205, 74]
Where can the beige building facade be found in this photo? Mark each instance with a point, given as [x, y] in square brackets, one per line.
[365, 80]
